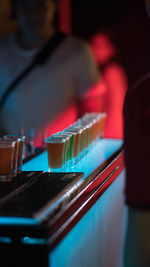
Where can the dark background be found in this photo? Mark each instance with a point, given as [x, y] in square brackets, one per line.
[88, 15]
[129, 25]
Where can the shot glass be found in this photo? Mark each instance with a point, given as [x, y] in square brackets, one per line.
[6, 160]
[16, 139]
[20, 152]
[83, 137]
[101, 118]
[95, 130]
[58, 136]
[70, 150]
[103, 121]
[87, 122]
[77, 131]
[56, 151]
[92, 118]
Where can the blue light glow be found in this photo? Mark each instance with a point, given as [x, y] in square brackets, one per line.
[33, 241]
[97, 153]
[39, 163]
[17, 221]
[97, 233]
[6, 240]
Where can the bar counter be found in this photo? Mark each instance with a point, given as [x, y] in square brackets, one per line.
[71, 218]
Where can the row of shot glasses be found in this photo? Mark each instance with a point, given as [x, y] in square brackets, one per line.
[69, 146]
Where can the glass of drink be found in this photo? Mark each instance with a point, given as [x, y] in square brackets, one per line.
[20, 152]
[71, 144]
[57, 151]
[101, 118]
[94, 130]
[82, 131]
[87, 121]
[17, 140]
[21, 141]
[6, 160]
[77, 131]
[84, 137]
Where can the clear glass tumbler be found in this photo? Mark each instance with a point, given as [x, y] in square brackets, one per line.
[6, 160]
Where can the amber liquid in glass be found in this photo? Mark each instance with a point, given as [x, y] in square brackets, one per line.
[55, 154]
[6, 162]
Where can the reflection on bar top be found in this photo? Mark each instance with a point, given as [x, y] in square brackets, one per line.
[98, 153]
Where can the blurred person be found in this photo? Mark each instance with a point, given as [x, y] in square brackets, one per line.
[66, 78]
[114, 81]
[137, 161]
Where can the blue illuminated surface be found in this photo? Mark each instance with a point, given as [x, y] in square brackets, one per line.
[33, 241]
[99, 152]
[98, 238]
[6, 240]
[17, 221]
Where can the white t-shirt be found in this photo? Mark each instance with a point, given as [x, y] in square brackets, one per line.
[48, 89]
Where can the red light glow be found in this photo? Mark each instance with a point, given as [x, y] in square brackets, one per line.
[115, 81]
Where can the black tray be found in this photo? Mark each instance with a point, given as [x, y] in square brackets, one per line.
[38, 195]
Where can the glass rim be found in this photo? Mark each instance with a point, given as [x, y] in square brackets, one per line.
[66, 132]
[71, 132]
[11, 138]
[21, 137]
[76, 129]
[6, 143]
[56, 140]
